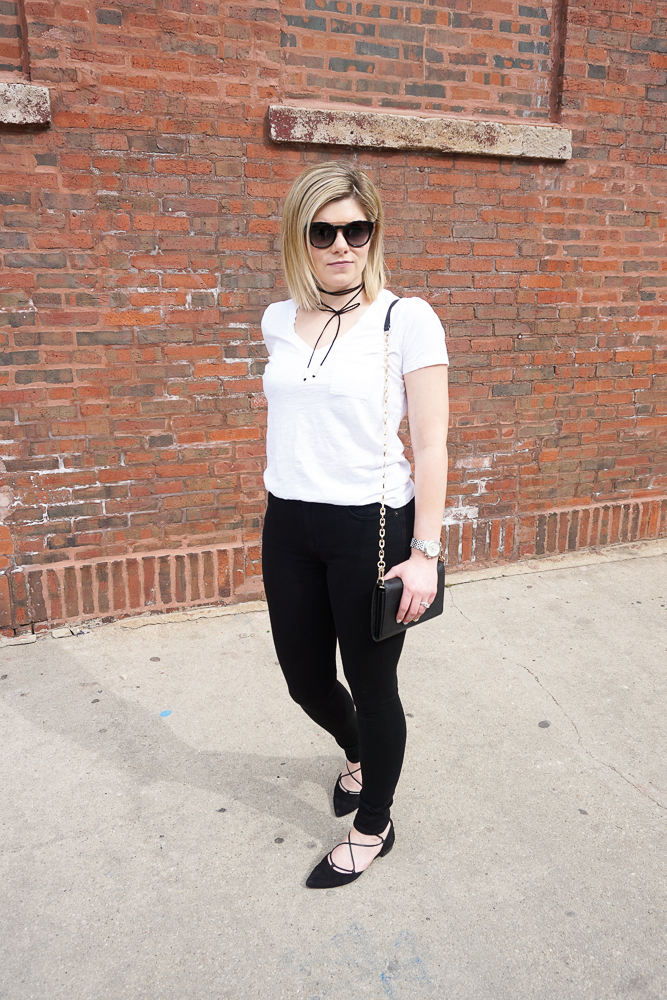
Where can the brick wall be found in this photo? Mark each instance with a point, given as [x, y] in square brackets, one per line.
[139, 247]
[486, 58]
[13, 62]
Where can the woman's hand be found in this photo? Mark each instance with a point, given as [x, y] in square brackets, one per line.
[420, 582]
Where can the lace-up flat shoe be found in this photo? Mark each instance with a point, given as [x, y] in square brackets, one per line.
[328, 875]
[344, 801]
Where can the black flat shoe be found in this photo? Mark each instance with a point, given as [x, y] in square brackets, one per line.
[327, 875]
[345, 802]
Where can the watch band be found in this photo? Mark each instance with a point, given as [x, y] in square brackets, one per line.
[431, 548]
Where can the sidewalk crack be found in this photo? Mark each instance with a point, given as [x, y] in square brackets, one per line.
[589, 753]
[598, 760]
[464, 615]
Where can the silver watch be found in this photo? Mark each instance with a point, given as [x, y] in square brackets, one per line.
[430, 548]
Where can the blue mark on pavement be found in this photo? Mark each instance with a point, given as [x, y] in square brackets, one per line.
[406, 969]
[163, 715]
[401, 973]
[392, 969]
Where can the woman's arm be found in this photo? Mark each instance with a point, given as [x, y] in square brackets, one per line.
[428, 413]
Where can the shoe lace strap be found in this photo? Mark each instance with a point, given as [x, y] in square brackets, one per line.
[352, 775]
[351, 844]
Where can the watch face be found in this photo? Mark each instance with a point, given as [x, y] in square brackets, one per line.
[432, 549]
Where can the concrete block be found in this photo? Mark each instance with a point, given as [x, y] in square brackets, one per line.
[25, 640]
[61, 633]
[21, 640]
[24, 104]
[371, 129]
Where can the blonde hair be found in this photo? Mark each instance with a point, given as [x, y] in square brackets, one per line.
[316, 187]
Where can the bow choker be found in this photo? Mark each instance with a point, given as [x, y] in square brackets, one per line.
[337, 313]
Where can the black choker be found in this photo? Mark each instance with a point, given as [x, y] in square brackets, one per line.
[344, 291]
[349, 306]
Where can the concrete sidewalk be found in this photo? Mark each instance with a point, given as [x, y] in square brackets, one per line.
[163, 856]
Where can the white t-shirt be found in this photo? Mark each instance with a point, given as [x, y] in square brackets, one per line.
[324, 440]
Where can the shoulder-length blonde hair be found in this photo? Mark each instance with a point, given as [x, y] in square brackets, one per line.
[311, 191]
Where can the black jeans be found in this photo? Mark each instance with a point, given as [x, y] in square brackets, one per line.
[320, 567]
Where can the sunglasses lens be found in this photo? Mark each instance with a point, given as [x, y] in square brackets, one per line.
[322, 235]
[358, 234]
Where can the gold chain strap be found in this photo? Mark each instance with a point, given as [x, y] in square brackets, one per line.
[385, 420]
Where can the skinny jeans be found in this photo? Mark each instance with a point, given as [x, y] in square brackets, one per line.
[320, 568]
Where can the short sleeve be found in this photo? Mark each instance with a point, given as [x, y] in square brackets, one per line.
[268, 321]
[274, 320]
[422, 335]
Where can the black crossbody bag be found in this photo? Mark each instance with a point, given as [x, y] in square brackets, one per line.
[387, 593]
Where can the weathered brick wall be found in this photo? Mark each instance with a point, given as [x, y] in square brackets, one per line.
[486, 58]
[13, 64]
[139, 247]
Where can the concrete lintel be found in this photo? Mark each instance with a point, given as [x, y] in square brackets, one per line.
[24, 104]
[376, 129]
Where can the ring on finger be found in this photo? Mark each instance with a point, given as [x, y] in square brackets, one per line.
[423, 604]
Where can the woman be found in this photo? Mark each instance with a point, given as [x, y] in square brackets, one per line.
[325, 389]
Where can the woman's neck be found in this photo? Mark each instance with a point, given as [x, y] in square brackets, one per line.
[337, 298]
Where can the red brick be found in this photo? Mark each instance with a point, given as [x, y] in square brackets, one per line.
[554, 299]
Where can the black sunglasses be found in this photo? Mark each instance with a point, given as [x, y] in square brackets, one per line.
[323, 234]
